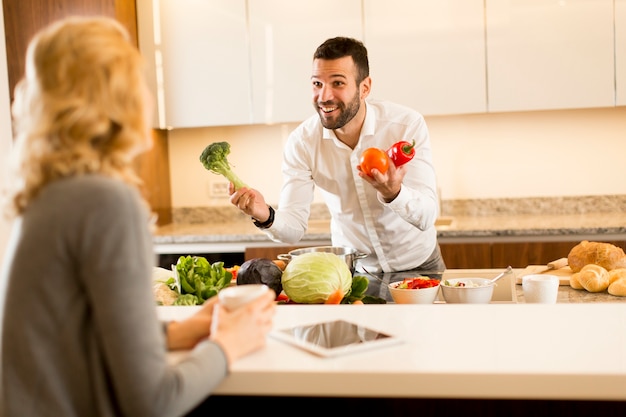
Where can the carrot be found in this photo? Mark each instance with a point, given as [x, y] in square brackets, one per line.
[280, 264]
[335, 297]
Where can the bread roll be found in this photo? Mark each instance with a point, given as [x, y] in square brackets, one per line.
[574, 282]
[616, 274]
[594, 278]
[606, 255]
[618, 287]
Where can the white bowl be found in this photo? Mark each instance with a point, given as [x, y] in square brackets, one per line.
[238, 295]
[413, 296]
[476, 291]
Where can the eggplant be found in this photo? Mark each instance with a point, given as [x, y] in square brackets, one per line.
[261, 271]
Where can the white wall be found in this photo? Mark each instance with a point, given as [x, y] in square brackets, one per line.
[505, 155]
[6, 137]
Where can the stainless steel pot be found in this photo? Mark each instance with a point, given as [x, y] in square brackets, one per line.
[348, 255]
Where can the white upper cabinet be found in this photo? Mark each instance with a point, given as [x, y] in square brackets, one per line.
[198, 61]
[283, 38]
[241, 62]
[428, 55]
[620, 51]
[549, 54]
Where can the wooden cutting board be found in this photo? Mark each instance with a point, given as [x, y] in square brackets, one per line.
[563, 273]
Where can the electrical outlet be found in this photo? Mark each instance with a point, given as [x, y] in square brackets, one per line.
[219, 190]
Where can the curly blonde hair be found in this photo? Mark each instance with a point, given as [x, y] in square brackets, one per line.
[80, 108]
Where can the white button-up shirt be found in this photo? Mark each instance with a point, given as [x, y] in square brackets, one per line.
[396, 236]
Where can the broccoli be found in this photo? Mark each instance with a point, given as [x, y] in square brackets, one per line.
[214, 158]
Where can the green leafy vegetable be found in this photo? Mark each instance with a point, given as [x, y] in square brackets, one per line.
[357, 292]
[215, 159]
[311, 278]
[200, 278]
[186, 300]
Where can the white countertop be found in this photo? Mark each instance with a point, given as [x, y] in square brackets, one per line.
[491, 351]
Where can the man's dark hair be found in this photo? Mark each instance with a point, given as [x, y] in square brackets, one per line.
[340, 47]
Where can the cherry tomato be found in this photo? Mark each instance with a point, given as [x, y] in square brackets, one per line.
[374, 158]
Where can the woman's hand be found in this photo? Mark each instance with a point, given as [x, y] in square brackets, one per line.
[243, 330]
[187, 333]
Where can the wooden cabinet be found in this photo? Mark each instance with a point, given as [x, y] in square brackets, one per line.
[283, 38]
[25, 17]
[428, 55]
[545, 55]
[269, 252]
[620, 52]
[502, 254]
[466, 255]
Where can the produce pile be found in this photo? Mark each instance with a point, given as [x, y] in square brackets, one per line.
[310, 278]
[597, 267]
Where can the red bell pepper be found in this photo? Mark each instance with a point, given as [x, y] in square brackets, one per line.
[401, 152]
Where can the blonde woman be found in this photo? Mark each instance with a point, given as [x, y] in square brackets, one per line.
[80, 334]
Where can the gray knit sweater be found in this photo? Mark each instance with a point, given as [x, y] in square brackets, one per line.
[80, 334]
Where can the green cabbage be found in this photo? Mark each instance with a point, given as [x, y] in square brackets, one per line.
[312, 277]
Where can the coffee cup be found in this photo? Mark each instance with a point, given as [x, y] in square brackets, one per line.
[239, 295]
[540, 288]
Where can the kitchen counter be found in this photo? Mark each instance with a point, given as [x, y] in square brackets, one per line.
[506, 290]
[235, 234]
[491, 351]
[498, 351]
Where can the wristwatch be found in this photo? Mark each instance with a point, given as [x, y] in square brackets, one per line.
[268, 222]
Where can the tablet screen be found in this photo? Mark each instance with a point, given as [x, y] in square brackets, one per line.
[334, 337]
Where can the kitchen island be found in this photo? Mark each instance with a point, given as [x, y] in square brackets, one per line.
[482, 358]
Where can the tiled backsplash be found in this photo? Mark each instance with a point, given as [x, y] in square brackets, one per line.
[480, 207]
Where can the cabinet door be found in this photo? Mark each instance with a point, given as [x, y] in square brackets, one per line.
[283, 38]
[197, 53]
[428, 55]
[620, 52]
[550, 54]
[466, 255]
[271, 252]
[522, 254]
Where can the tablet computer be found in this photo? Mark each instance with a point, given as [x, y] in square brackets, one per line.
[335, 337]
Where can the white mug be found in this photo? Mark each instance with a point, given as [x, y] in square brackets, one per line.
[236, 296]
[540, 288]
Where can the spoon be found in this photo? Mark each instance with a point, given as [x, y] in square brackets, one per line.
[371, 274]
[506, 271]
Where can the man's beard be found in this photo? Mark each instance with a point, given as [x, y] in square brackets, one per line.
[346, 114]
